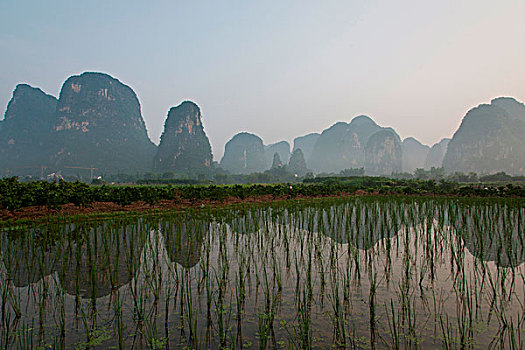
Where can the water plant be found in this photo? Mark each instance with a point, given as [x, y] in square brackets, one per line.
[350, 272]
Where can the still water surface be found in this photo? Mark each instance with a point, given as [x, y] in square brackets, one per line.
[354, 273]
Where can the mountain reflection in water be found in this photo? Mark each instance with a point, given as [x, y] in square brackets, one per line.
[225, 276]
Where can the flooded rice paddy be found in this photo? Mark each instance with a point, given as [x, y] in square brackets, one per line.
[353, 273]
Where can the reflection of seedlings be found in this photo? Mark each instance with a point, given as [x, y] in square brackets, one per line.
[120, 325]
[355, 272]
[99, 262]
[393, 322]
[304, 322]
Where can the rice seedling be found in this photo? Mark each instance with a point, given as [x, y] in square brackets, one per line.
[355, 272]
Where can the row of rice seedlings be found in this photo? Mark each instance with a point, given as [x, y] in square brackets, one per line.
[259, 252]
[500, 281]
[421, 273]
[57, 302]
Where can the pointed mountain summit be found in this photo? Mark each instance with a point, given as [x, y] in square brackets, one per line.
[184, 145]
[514, 108]
[25, 130]
[282, 148]
[306, 143]
[276, 162]
[98, 123]
[297, 164]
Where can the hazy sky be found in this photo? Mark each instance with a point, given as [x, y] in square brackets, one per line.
[279, 69]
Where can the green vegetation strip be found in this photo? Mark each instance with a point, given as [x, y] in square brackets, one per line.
[15, 194]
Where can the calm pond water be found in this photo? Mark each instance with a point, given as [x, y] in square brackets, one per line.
[353, 273]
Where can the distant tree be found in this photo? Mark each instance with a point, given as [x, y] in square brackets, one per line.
[405, 176]
[149, 176]
[352, 172]
[437, 173]
[309, 175]
[473, 177]
[421, 174]
[501, 176]
[434, 173]
[462, 177]
[222, 178]
[168, 175]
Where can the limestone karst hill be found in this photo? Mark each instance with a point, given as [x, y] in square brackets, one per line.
[25, 131]
[490, 139]
[184, 146]
[244, 154]
[98, 122]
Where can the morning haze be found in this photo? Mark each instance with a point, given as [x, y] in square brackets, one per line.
[262, 174]
[280, 69]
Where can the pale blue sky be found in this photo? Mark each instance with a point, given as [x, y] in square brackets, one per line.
[279, 69]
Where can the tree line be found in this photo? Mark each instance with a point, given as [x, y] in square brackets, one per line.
[15, 194]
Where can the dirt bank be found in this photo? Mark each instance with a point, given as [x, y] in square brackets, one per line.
[38, 213]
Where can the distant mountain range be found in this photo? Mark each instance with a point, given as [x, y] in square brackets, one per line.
[96, 124]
